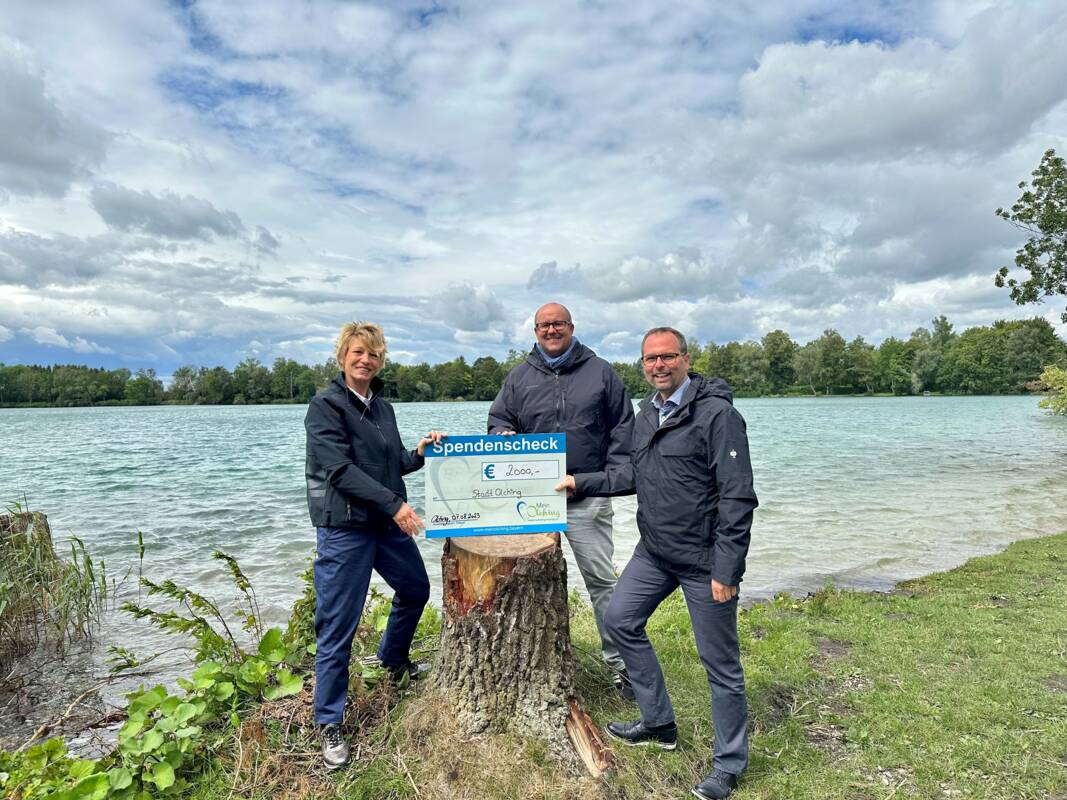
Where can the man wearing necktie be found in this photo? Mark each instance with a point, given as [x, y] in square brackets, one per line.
[691, 471]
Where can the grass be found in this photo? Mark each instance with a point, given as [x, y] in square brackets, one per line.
[43, 597]
[952, 686]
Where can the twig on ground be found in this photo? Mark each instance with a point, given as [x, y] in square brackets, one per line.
[404, 764]
[48, 727]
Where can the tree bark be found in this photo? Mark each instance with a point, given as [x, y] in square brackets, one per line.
[505, 659]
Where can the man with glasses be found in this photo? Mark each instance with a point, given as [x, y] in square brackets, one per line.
[563, 386]
[695, 499]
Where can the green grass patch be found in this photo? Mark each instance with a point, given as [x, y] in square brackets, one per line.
[952, 686]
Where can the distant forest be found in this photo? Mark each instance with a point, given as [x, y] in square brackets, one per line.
[1003, 358]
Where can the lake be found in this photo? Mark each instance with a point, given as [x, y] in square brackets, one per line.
[863, 491]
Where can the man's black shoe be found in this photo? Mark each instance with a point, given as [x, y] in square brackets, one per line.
[716, 786]
[407, 672]
[623, 685]
[635, 733]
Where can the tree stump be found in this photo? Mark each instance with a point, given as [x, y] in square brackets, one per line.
[505, 659]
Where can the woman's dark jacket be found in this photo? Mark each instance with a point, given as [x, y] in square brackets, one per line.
[355, 460]
[693, 479]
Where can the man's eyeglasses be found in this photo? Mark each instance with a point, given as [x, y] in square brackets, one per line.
[557, 324]
[667, 358]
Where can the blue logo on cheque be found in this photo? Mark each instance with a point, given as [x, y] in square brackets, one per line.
[489, 471]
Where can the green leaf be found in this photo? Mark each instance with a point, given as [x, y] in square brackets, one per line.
[120, 778]
[162, 775]
[93, 787]
[143, 702]
[223, 690]
[184, 712]
[151, 741]
[79, 769]
[187, 732]
[271, 644]
[381, 622]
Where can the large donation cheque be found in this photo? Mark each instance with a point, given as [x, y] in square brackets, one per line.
[486, 485]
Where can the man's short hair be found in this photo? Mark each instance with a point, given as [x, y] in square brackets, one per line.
[683, 348]
[366, 333]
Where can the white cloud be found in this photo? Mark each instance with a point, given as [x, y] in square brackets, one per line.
[43, 149]
[166, 214]
[50, 336]
[6, 334]
[469, 307]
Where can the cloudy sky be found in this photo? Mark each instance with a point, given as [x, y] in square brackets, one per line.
[200, 182]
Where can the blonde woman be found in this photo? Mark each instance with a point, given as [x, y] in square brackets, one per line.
[358, 505]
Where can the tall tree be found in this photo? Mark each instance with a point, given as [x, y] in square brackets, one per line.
[832, 373]
[861, 364]
[806, 364]
[1040, 211]
[779, 350]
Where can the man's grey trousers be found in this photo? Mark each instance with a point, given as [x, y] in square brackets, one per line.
[590, 537]
[643, 585]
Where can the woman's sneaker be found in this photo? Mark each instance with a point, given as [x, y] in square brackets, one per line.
[334, 746]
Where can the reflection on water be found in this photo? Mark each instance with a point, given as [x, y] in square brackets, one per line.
[865, 490]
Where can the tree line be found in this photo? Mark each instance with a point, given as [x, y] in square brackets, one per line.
[1005, 357]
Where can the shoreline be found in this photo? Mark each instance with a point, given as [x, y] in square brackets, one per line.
[462, 400]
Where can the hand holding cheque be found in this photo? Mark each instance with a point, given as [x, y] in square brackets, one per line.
[405, 517]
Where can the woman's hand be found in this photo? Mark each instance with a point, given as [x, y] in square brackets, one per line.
[433, 437]
[409, 522]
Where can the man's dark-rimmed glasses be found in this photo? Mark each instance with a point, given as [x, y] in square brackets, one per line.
[555, 324]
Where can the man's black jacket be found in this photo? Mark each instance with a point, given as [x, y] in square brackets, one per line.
[582, 398]
[693, 480]
[355, 460]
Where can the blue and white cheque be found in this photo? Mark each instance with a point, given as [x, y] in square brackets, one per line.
[487, 485]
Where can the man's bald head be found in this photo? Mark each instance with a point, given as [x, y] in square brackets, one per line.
[553, 328]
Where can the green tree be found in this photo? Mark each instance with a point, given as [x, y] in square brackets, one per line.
[413, 383]
[145, 388]
[486, 378]
[806, 364]
[284, 379]
[1056, 380]
[184, 384]
[251, 382]
[632, 376]
[750, 368]
[779, 350]
[1040, 211]
[860, 357]
[975, 365]
[893, 366]
[216, 387]
[832, 372]
[451, 379]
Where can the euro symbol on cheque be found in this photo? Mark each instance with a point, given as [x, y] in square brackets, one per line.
[489, 471]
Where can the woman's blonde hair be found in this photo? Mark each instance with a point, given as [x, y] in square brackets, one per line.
[366, 333]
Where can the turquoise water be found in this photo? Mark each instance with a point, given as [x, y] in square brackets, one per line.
[867, 491]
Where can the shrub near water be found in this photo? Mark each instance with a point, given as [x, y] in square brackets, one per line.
[43, 597]
[168, 737]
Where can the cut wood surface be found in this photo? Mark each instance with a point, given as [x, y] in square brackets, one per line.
[505, 659]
